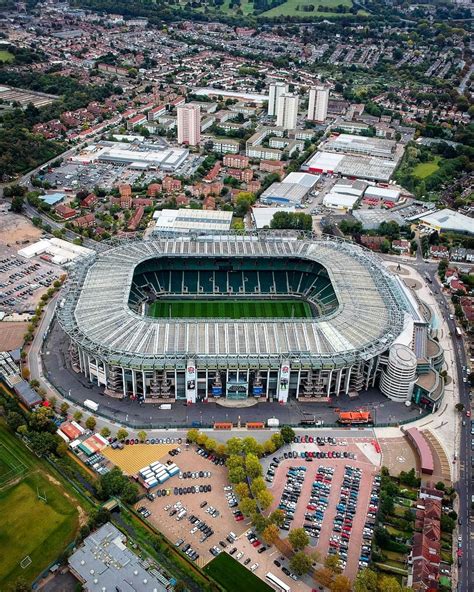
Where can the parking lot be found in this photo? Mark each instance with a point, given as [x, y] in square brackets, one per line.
[22, 281]
[329, 496]
[214, 517]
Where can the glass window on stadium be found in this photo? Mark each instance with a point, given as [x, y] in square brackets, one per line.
[180, 385]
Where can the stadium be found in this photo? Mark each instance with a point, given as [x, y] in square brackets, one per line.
[269, 316]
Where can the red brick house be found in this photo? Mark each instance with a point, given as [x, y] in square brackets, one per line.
[89, 201]
[65, 211]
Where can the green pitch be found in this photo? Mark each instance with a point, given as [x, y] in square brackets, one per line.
[30, 526]
[232, 575]
[230, 309]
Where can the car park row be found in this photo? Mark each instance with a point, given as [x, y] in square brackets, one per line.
[295, 477]
[318, 501]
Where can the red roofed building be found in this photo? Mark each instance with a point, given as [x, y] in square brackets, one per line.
[372, 242]
[125, 202]
[71, 429]
[89, 201]
[272, 166]
[137, 120]
[154, 189]
[245, 175]
[141, 201]
[170, 184]
[236, 161]
[87, 221]
[212, 174]
[439, 252]
[209, 203]
[125, 190]
[182, 200]
[136, 218]
[156, 112]
[65, 211]
[254, 186]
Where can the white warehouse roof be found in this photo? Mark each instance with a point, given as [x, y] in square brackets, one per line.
[382, 193]
[340, 201]
[444, 220]
[304, 179]
[263, 216]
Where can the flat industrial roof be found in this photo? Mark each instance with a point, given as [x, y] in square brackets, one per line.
[447, 219]
[303, 179]
[285, 192]
[263, 216]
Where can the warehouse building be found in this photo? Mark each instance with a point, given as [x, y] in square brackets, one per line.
[292, 191]
[384, 193]
[262, 217]
[446, 220]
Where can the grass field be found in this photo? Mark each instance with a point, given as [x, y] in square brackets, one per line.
[425, 169]
[234, 576]
[28, 525]
[6, 57]
[230, 309]
[293, 8]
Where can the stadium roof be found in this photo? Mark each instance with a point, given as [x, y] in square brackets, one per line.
[184, 220]
[371, 312]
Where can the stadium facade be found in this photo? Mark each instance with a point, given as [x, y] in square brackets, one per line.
[358, 312]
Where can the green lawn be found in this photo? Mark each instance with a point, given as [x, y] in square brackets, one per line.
[230, 309]
[425, 169]
[29, 526]
[294, 8]
[6, 56]
[234, 577]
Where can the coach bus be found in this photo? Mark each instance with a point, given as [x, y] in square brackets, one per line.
[278, 584]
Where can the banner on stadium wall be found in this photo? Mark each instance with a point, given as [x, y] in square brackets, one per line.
[284, 382]
[191, 382]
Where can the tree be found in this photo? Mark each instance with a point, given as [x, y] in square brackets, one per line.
[25, 373]
[366, 581]
[341, 584]
[324, 576]
[234, 461]
[277, 517]
[43, 442]
[459, 407]
[241, 490]
[142, 435]
[287, 434]
[268, 447]
[77, 416]
[298, 538]
[258, 484]
[122, 434]
[91, 422]
[62, 449]
[333, 563]
[129, 494]
[248, 506]
[64, 408]
[265, 499]
[388, 584]
[15, 420]
[192, 435]
[277, 440]
[271, 534]
[234, 446]
[300, 563]
[42, 420]
[237, 475]
[253, 466]
[105, 432]
[17, 204]
[259, 522]
[250, 445]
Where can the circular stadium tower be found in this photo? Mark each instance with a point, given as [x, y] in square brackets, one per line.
[266, 316]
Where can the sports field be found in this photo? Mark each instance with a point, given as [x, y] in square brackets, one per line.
[230, 309]
[39, 517]
[226, 569]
